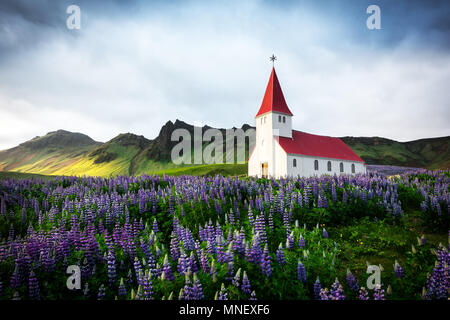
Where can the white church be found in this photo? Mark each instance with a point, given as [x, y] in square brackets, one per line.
[281, 152]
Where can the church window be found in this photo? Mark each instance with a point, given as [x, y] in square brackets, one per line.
[329, 165]
[294, 162]
[316, 164]
[353, 168]
[264, 119]
[279, 118]
[284, 119]
[341, 167]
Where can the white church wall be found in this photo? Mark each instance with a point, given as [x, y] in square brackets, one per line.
[280, 161]
[297, 170]
[253, 164]
[263, 140]
[305, 166]
[280, 128]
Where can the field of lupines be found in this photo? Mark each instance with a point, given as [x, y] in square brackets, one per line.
[193, 237]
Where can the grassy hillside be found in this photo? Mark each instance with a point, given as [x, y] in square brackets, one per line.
[211, 170]
[208, 169]
[19, 175]
[56, 155]
[425, 153]
[49, 154]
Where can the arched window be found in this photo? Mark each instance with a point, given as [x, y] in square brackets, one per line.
[264, 119]
[341, 167]
[279, 118]
[329, 165]
[284, 119]
[261, 120]
[353, 168]
[316, 164]
[294, 162]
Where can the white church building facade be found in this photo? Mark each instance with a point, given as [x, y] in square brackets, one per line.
[281, 152]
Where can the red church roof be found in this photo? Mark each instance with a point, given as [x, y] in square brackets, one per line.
[317, 146]
[273, 98]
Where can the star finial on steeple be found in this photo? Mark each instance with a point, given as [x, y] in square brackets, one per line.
[273, 58]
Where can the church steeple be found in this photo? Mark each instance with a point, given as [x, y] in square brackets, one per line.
[273, 98]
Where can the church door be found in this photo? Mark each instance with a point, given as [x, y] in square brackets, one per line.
[265, 170]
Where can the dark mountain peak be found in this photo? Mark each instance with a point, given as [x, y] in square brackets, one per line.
[59, 139]
[245, 127]
[179, 123]
[130, 139]
[370, 141]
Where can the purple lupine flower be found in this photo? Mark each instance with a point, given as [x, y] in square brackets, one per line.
[301, 241]
[280, 255]
[183, 262]
[250, 217]
[223, 295]
[378, 293]
[317, 289]
[290, 241]
[122, 288]
[323, 294]
[325, 233]
[255, 252]
[174, 248]
[270, 220]
[266, 266]
[301, 272]
[363, 294]
[16, 278]
[204, 262]
[351, 281]
[197, 291]
[220, 250]
[237, 278]
[253, 296]
[438, 283]
[399, 273]
[101, 293]
[137, 268]
[148, 286]
[33, 287]
[193, 263]
[111, 268]
[167, 270]
[155, 226]
[187, 289]
[337, 292]
[245, 284]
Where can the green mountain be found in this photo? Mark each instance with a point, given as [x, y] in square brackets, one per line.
[67, 153]
[433, 153]
[51, 153]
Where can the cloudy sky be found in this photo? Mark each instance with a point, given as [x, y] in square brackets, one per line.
[131, 68]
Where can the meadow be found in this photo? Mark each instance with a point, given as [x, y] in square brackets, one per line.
[222, 237]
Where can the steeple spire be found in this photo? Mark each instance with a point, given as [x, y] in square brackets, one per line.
[274, 98]
[273, 58]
